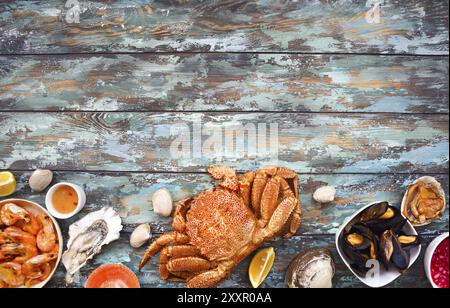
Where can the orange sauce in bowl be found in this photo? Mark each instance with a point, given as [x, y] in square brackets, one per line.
[65, 199]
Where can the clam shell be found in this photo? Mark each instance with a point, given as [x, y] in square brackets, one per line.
[140, 235]
[427, 180]
[40, 180]
[162, 202]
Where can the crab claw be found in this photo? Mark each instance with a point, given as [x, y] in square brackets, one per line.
[226, 175]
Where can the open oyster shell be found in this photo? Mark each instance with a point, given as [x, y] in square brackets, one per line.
[311, 269]
[424, 201]
[87, 237]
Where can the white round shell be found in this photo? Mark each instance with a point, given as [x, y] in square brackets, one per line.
[40, 180]
[140, 235]
[162, 202]
[325, 194]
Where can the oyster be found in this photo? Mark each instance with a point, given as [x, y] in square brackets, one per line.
[424, 201]
[312, 269]
[87, 237]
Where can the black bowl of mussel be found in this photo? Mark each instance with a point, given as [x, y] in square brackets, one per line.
[378, 244]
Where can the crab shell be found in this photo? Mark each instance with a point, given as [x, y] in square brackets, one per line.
[428, 180]
[219, 223]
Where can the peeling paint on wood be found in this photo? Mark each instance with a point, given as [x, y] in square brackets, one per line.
[130, 194]
[225, 82]
[308, 143]
[318, 26]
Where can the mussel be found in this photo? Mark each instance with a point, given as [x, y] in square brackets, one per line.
[381, 217]
[360, 245]
[400, 257]
[374, 212]
[377, 234]
[408, 241]
[387, 247]
[392, 250]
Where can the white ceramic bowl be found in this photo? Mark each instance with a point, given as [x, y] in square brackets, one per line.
[385, 277]
[429, 255]
[35, 209]
[81, 200]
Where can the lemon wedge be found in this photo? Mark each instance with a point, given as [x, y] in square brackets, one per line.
[7, 184]
[260, 266]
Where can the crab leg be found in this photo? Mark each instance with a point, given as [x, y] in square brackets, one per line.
[174, 252]
[289, 175]
[277, 221]
[179, 218]
[285, 189]
[189, 264]
[245, 185]
[295, 220]
[211, 278]
[226, 175]
[160, 242]
[259, 184]
[269, 199]
[181, 276]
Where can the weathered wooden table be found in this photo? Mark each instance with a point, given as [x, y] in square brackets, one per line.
[359, 92]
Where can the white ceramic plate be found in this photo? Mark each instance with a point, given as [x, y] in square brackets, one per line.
[36, 209]
[385, 277]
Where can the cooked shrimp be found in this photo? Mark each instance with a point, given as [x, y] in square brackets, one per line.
[11, 275]
[18, 252]
[46, 238]
[11, 213]
[33, 226]
[16, 235]
[37, 269]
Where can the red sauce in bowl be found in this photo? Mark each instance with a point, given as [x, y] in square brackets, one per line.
[439, 265]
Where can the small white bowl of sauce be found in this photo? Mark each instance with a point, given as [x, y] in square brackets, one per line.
[65, 200]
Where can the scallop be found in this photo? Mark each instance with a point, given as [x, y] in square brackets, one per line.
[424, 201]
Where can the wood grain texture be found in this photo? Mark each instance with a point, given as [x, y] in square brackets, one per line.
[225, 82]
[130, 194]
[307, 143]
[286, 250]
[319, 26]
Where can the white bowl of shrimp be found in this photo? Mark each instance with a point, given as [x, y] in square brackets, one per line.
[31, 244]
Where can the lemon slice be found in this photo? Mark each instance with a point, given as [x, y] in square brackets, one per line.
[260, 266]
[7, 184]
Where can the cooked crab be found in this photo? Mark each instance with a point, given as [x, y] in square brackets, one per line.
[217, 229]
